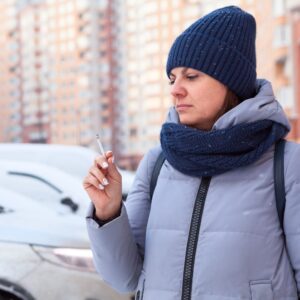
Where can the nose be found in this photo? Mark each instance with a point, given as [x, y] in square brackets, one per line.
[178, 90]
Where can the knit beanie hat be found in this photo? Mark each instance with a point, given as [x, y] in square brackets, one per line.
[222, 45]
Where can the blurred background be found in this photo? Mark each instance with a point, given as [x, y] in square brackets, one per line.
[74, 68]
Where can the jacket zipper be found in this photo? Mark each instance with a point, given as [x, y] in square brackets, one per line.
[193, 239]
[140, 293]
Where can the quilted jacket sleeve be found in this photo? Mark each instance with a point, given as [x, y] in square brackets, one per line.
[292, 209]
[118, 246]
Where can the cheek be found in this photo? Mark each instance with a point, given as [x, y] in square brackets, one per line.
[217, 100]
[208, 107]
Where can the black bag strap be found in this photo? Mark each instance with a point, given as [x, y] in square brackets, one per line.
[158, 164]
[279, 179]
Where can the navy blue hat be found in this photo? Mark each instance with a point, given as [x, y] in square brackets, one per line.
[222, 45]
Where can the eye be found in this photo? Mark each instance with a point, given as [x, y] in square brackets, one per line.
[191, 77]
[171, 81]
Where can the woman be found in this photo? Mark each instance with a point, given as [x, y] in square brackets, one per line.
[212, 229]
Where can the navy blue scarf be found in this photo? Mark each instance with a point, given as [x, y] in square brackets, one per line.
[206, 153]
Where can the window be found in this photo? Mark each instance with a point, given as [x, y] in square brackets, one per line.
[149, 8]
[132, 26]
[282, 35]
[278, 8]
[32, 186]
[152, 103]
[152, 48]
[133, 132]
[151, 21]
[286, 98]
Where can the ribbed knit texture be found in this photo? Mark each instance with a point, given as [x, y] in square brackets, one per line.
[222, 45]
[207, 153]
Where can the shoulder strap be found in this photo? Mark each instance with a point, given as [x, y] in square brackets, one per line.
[158, 164]
[279, 179]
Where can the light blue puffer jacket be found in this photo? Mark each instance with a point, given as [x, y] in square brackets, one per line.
[241, 253]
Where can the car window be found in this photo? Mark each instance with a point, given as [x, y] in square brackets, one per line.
[34, 187]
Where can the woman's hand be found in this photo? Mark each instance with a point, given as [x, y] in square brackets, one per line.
[104, 187]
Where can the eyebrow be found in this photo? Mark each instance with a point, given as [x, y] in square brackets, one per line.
[183, 71]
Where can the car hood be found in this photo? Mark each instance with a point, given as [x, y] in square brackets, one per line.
[22, 220]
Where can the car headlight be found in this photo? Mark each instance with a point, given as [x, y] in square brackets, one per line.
[79, 259]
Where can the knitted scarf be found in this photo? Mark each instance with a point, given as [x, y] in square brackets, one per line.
[206, 153]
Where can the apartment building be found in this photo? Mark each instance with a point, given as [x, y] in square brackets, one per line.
[10, 127]
[65, 76]
[151, 27]
[275, 54]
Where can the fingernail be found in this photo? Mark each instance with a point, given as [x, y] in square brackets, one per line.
[113, 159]
[105, 181]
[105, 165]
[101, 187]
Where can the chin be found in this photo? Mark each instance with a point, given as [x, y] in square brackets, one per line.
[204, 127]
[186, 120]
[187, 123]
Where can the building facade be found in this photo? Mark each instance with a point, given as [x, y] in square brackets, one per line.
[151, 27]
[63, 72]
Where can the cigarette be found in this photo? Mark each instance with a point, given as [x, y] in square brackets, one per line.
[100, 144]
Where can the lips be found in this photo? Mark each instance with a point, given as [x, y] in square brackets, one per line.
[182, 107]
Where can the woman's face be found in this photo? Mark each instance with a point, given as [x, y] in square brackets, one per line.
[198, 98]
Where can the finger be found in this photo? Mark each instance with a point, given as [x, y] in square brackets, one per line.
[108, 154]
[112, 168]
[101, 161]
[90, 180]
[94, 171]
[110, 158]
[111, 171]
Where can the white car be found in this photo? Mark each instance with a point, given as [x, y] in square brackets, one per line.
[75, 160]
[44, 255]
[50, 186]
